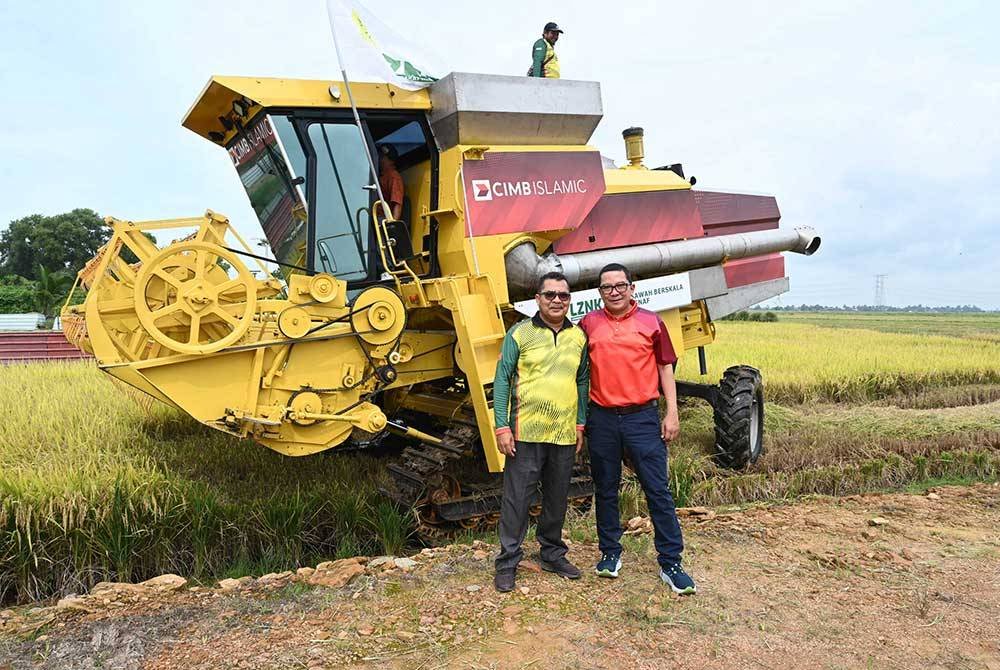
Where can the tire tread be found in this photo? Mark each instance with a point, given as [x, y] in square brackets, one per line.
[737, 388]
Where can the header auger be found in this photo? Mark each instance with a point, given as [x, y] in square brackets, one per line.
[378, 327]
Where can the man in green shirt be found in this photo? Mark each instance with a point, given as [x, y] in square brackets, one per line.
[544, 62]
[540, 393]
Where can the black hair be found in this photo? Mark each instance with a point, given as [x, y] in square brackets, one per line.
[389, 152]
[558, 276]
[616, 267]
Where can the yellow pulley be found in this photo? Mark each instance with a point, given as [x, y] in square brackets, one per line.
[378, 315]
[294, 322]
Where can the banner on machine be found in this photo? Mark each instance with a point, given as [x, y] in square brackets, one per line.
[531, 191]
[370, 50]
[656, 295]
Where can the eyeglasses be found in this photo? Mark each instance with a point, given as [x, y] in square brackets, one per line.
[552, 295]
[620, 287]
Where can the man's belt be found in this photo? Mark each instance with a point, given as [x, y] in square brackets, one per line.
[627, 409]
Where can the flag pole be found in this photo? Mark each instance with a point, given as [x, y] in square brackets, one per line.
[354, 108]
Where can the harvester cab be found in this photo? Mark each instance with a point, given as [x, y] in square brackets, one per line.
[379, 325]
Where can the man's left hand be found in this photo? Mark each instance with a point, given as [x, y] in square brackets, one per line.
[670, 427]
[579, 442]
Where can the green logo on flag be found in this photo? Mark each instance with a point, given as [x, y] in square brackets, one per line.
[407, 70]
[400, 67]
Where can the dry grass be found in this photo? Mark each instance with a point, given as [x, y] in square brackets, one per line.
[804, 363]
[95, 485]
[953, 396]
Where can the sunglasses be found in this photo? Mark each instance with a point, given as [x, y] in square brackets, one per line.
[552, 295]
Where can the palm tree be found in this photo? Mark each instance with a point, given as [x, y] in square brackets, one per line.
[51, 289]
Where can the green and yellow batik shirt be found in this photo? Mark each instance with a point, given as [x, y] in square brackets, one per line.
[541, 383]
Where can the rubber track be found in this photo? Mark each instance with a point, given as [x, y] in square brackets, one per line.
[415, 471]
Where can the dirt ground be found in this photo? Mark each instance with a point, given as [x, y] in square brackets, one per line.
[873, 581]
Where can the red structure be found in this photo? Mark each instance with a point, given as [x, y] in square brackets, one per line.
[38, 345]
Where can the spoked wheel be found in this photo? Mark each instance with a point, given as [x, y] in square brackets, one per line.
[186, 304]
[739, 418]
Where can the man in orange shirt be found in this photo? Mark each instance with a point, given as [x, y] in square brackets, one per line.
[631, 360]
[390, 180]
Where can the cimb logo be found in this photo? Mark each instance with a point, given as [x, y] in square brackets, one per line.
[481, 190]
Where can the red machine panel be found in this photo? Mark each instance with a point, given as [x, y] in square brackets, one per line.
[509, 192]
[728, 213]
[752, 270]
[628, 219]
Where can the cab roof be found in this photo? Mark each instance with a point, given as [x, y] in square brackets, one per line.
[253, 93]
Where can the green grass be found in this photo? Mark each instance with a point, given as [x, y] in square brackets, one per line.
[924, 485]
[971, 325]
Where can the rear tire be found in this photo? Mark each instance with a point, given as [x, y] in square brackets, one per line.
[739, 418]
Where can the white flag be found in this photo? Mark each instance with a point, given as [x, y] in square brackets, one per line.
[369, 50]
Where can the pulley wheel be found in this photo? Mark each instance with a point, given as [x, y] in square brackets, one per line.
[323, 287]
[379, 315]
[200, 304]
[294, 322]
[308, 402]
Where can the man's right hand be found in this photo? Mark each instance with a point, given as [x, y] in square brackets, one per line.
[505, 443]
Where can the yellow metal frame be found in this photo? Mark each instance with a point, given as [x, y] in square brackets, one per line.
[255, 93]
[298, 373]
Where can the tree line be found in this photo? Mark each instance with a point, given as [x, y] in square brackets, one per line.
[40, 256]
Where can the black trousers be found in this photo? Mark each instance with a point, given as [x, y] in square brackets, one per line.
[534, 463]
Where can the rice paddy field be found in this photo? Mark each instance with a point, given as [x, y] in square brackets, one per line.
[97, 483]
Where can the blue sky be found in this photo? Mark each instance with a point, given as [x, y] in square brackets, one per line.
[873, 122]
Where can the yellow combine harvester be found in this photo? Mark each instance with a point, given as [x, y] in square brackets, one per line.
[377, 327]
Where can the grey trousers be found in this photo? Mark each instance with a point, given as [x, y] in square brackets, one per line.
[534, 462]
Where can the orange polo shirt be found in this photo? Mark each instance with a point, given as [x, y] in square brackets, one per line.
[392, 186]
[624, 354]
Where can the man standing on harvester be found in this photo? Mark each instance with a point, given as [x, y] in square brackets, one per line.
[544, 62]
[539, 408]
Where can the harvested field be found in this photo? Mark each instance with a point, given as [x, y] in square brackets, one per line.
[968, 325]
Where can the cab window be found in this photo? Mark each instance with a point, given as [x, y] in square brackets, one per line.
[342, 197]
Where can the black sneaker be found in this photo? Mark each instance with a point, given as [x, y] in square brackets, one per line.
[678, 580]
[561, 567]
[609, 565]
[503, 580]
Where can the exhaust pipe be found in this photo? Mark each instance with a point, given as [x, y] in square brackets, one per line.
[525, 266]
